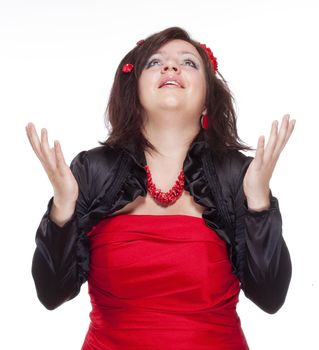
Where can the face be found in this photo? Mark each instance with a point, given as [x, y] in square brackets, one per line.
[174, 79]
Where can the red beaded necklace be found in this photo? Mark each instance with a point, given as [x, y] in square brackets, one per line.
[165, 198]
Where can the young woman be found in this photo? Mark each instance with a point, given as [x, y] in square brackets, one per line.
[167, 219]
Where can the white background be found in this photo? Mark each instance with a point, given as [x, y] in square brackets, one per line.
[57, 64]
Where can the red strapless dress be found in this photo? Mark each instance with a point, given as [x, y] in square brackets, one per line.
[161, 282]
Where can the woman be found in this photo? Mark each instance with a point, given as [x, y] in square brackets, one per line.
[164, 267]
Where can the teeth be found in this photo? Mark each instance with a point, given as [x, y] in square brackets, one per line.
[171, 82]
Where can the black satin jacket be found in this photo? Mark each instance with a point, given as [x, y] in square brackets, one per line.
[111, 177]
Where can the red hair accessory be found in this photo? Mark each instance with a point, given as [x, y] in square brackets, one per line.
[140, 42]
[211, 56]
[127, 68]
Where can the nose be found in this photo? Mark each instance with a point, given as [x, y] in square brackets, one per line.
[170, 66]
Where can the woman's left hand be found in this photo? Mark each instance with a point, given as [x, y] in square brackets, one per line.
[259, 172]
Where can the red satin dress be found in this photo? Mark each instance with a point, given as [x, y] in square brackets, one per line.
[161, 282]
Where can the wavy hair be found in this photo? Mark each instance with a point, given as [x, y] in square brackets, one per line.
[123, 115]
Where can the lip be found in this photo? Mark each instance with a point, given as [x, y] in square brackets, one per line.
[171, 77]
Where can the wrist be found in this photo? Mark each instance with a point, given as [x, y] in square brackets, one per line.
[63, 203]
[259, 203]
[62, 213]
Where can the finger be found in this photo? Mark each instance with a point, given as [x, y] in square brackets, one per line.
[59, 155]
[34, 140]
[271, 144]
[27, 129]
[282, 136]
[259, 156]
[44, 142]
[46, 149]
[291, 127]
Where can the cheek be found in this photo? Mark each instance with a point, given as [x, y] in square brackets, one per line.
[145, 90]
[146, 86]
[200, 87]
[142, 87]
[203, 85]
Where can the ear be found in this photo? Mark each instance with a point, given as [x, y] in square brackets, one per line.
[204, 111]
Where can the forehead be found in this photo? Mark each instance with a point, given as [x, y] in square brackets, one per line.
[177, 46]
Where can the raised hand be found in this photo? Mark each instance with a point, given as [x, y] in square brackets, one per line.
[64, 183]
[260, 170]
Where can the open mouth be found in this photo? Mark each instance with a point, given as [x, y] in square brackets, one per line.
[171, 81]
[171, 84]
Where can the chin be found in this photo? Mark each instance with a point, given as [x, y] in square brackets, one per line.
[172, 102]
[171, 107]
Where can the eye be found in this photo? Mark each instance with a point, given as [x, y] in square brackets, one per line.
[191, 63]
[151, 62]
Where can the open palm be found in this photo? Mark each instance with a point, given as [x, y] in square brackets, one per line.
[64, 184]
[260, 170]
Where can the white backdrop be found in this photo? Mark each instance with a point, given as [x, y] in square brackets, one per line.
[57, 63]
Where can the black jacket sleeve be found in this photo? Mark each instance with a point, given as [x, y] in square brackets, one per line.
[266, 264]
[60, 261]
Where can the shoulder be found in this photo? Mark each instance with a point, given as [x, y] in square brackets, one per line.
[96, 164]
[104, 154]
[232, 160]
[101, 156]
[231, 167]
[94, 170]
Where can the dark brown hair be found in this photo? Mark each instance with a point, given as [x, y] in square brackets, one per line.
[124, 111]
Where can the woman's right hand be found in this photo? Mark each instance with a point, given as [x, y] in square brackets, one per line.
[64, 184]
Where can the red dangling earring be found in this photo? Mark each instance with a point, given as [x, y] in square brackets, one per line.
[204, 121]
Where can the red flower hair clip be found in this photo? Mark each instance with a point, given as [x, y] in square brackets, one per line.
[127, 68]
[140, 42]
[211, 56]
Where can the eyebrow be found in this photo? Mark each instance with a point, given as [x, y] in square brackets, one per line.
[180, 52]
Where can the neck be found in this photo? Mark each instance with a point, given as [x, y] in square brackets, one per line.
[171, 134]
